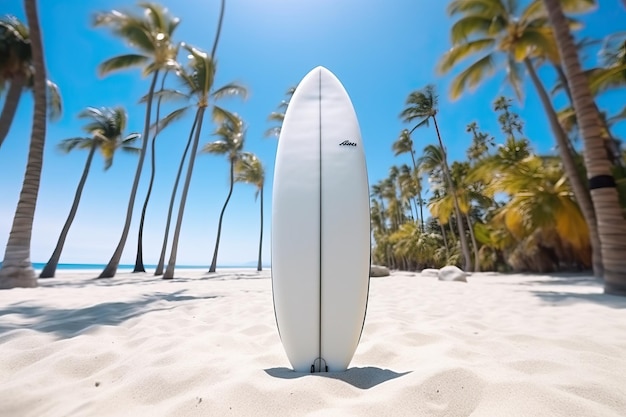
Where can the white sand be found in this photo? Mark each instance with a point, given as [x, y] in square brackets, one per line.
[500, 345]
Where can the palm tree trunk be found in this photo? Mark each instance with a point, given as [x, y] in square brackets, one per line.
[219, 224]
[457, 211]
[454, 239]
[159, 268]
[17, 269]
[11, 102]
[260, 263]
[50, 268]
[413, 209]
[419, 188]
[171, 265]
[111, 268]
[139, 267]
[610, 219]
[219, 29]
[580, 191]
[382, 214]
[474, 243]
[445, 239]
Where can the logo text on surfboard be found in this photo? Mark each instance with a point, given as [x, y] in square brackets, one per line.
[347, 143]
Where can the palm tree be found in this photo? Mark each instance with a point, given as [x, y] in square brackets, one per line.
[422, 105]
[249, 169]
[17, 270]
[481, 143]
[199, 81]
[230, 89]
[407, 184]
[16, 69]
[404, 144]
[230, 143]
[611, 222]
[106, 127]
[159, 125]
[502, 37]
[152, 34]
[378, 192]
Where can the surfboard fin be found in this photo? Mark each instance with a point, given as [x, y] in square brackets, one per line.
[319, 365]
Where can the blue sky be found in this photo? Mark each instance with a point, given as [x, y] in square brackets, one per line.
[381, 50]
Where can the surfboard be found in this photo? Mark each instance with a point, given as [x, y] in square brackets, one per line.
[320, 227]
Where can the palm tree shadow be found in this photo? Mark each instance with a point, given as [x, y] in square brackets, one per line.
[67, 323]
[566, 298]
[362, 378]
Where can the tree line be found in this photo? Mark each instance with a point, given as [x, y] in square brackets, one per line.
[506, 207]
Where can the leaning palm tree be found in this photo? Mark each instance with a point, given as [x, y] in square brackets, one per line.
[231, 136]
[503, 37]
[158, 126]
[611, 222]
[16, 269]
[16, 69]
[249, 169]
[106, 127]
[230, 89]
[198, 79]
[422, 105]
[152, 34]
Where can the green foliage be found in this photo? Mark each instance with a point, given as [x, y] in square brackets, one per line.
[499, 36]
[105, 126]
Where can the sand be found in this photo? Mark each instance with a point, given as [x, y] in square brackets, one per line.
[207, 345]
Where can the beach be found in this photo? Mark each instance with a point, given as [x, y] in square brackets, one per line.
[207, 345]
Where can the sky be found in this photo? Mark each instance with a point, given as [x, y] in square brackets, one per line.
[381, 50]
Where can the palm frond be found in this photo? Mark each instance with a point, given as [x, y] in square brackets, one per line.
[230, 90]
[219, 147]
[578, 6]
[536, 42]
[487, 7]
[221, 116]
[121, 62]
[130, 139]
[459, 52]
[603, 79]
[55, 104]
[172, 117]
[166, 95]
[68, 145]
[470, 25]
[472, 76]
[272, 132]
[276, 117]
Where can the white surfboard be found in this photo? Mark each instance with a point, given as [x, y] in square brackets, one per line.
[320, 227]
